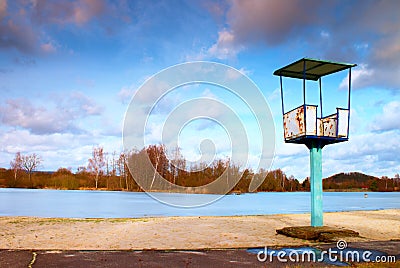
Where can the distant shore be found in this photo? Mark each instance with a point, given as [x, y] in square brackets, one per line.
[189, 191]
[184, 232]
[272, 181]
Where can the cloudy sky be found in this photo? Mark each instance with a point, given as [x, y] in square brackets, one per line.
[68, 70]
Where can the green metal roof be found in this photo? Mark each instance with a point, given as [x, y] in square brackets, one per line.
[312, 69]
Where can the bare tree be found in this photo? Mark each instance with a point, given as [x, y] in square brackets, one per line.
[97, 163]
[177, 164]
[113, 164]
[386, 178]
[291, 180]
[81, 169]
[122, 166]
[159, 160]
[30, 163]
[107, 169]
[16, 165]
[107, 164]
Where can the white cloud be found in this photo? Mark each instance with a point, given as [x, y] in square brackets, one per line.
[78, 12]
[371, 153]
[152, 90]
[292, 159]
[56, 149]
[226, 46]
[325, 34]
[361, 46]
[389, 119]
[232, 74]
[125, 94]
[39, 120]
[58, 116]
[84, 105]
[362, 76]
[284, 150]
[22, 140]
[209, 94]
[48, 48]
[276, 94]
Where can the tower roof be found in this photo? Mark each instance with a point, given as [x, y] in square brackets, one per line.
[312, 69]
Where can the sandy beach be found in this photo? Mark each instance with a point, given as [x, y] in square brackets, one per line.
[184, 232]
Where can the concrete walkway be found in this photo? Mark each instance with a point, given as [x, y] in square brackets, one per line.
[153, 258]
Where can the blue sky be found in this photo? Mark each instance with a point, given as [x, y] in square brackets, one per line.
[68, 70]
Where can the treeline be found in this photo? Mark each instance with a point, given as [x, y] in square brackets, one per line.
[65, 179]
[111, 172]
[356, 180]
[103, 171]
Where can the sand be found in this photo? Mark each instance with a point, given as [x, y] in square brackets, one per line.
[184, 232]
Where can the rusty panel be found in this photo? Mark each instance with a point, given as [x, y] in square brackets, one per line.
[334, 126]
[343, 122]
[293, 123]
[320, 127]
[329, 125]
[311, 118]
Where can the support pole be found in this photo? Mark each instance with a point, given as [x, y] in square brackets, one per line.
[348, 105]
[316, 185]
[320, 96]
[283, 107]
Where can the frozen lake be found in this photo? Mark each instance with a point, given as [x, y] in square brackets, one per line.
[104, 204]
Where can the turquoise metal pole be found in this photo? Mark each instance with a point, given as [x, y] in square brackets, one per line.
[316, 185]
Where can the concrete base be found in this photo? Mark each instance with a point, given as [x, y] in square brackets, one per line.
[321, 234]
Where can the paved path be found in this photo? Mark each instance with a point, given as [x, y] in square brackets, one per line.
[154, 258]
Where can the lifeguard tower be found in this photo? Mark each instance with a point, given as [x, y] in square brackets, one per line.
[303, 124]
